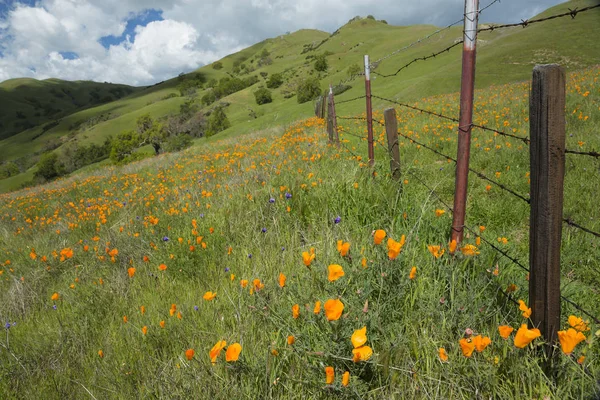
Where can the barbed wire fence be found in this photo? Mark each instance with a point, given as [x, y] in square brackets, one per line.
[539, 318]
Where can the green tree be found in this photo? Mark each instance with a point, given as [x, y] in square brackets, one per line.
[123, 145]
[321, 63]
[217, 65]
[354, 70]
[150, 132]
[275, 81]
[217, 122]
[49, 167]
[263, 96]
[308, 89]
[8, 169]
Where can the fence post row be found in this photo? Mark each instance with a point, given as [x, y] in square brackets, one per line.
[369, 111]
[391, 130]
[467, 87]
[335, 134]
[547, 166]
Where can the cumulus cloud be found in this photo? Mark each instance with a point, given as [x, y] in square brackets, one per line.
[34, 39]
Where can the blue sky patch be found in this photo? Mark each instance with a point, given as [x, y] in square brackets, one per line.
[69, 55]
[140, 19]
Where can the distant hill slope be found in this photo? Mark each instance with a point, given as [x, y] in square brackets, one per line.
[27, 102]
[504, 56]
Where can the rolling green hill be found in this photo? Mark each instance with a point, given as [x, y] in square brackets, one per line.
[504, 56]
[27, 103]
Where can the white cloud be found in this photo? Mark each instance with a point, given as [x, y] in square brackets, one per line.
[193, 33]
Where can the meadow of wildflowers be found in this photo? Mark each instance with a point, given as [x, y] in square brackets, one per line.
[275, 265]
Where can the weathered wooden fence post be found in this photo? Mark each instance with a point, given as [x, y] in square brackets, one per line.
[369, 111]
[467, 89]
[391, 129]
[547, 167]
[336, 135]
[329, 116]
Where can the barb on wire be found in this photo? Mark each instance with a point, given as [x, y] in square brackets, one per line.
[485, 128]
[577, 306]
[425, 58]
[349, 100]
[570, 222]
[571, 13]
[583, 153]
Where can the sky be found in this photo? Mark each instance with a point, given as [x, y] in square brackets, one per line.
[141, 42]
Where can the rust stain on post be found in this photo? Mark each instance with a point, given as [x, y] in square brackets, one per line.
[465, 119]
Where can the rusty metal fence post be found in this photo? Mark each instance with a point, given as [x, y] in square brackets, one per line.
[547, 166]
[369, 111]
[465, 118]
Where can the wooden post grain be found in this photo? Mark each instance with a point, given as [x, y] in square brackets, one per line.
[547, 167]
[391, 129]
[329, 116]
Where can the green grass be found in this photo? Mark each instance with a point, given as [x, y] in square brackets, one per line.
[220, 190]
[503, 56]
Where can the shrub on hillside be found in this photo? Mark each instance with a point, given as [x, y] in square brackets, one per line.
[308, 89]
[217, 122]
[123, 145]
[275, 81]
[178, 142]
[321, 63]
[8, 169]
[263, 96]
[217, 65]
[49, 167]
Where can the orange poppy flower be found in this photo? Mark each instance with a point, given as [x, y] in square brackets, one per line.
[258, 285]
[143, 310]
[208, 296]
[343, 248]
[131, 272]
[394, 248]
[469, 250]
[317, 308]
[481, 342]
[291, 340]
[233, 352]
[505, 331]
[359, 337]
[162, 324]
[329, 375]
[282, 279]
[442, 354]
[363, 262]
[452, 246]
[335, 272]
[525, 336]
[145, 329]
[243, 283]
[578, 323]
[413, 273]
[439, 212]
[307, 258]
[162, 267]
[189, 354]
[100, 354]
[54, 297]
[125, 320]
[216, 350]
[378, 236]
[146, 259]
[363, 353]
[436, 251]
[569, 339]
[295, 311]
[346, 378]
[526, 310]
[333, 309]
[467, 347]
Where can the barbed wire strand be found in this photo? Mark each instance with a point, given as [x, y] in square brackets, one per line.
[524, 23]
[349, 100]
[570, 222]
[583, 153]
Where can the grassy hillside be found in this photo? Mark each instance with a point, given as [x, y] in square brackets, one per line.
[503, 56]
[120, 282]
[27, 103]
